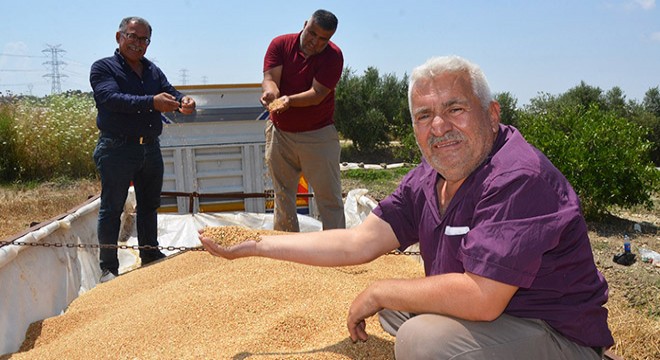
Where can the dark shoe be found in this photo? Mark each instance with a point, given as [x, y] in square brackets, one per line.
[147, 259]
[106, 276]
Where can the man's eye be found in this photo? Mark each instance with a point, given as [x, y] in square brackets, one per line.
[423, 117]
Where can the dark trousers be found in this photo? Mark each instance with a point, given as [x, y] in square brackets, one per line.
[120, 161]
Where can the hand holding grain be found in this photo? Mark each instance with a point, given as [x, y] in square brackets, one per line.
[232, 242]
[279, 105]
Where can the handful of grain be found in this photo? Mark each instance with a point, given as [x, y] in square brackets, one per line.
[227, 236]
[276, 104]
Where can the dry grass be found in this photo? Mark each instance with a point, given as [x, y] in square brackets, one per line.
[636, 336]
[20, 206]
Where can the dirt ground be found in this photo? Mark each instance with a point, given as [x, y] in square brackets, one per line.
[634, 290]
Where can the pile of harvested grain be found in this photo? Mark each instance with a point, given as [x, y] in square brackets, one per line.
[227, 236]
[194, 305]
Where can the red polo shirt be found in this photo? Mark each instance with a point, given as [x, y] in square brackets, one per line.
[298, 73]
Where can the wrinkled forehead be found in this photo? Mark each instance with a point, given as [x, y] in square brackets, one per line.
[138, 27]
[448, 84]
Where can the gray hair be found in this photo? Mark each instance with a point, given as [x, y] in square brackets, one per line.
[325, 19]
[127, 20]
[444, 64]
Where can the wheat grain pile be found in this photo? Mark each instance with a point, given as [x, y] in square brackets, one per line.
[196, 306]
[227, 236]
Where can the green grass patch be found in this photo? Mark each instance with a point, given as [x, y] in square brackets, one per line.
[374, 175]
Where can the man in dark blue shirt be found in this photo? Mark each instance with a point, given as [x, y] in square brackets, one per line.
[131, 93]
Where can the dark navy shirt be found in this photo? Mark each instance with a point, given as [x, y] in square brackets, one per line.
[125, 102]
[515, 220]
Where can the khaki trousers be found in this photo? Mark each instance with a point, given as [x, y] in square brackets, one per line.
[315, 154]
[437, 337]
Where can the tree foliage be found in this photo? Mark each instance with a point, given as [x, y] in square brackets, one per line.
[649, 117]
[508, 108]
[603, 155]
[371, 110]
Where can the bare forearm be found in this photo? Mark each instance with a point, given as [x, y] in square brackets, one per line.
[339, 247]
[306, 98]
[452, 294]
[323, 248]
[268, 85]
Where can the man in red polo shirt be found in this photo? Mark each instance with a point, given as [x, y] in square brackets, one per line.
[301, 71]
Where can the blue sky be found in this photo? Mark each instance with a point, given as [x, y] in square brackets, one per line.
[526, 47]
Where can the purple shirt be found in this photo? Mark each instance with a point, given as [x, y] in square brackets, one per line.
[515, 220]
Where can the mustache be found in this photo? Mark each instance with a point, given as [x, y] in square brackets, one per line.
[454, 135]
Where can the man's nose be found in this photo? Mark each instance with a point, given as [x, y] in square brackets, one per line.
[439, 125]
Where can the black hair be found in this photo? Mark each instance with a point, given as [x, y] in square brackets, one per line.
[325, 19]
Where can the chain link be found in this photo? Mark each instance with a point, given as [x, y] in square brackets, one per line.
[397, 252]
[102, 246]
[138, 247]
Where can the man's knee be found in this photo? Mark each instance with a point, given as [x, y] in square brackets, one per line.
[430, 337]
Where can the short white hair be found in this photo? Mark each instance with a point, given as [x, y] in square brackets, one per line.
[446, 64]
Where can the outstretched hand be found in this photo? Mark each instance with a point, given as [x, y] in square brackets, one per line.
[244, 249]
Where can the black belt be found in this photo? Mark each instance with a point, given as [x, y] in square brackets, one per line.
[141, 140]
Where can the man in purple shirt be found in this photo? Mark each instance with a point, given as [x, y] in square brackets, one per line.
[509, 268]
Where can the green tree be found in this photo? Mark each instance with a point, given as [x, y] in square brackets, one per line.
[508, 108]
[604, 156]
[651, 101]
[615, 100]
[584, 96]
[368, 109]
[651, 120]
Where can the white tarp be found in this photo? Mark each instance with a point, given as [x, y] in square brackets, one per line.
[39, 282]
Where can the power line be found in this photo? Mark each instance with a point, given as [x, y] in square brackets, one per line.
[184, 76]
[20, 55]
[55, 63]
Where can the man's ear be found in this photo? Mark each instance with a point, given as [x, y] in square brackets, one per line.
[494, 114]
[117, 36]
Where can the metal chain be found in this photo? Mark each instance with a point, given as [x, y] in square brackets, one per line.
[102, 246]
[397, 252]
[138, 247]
